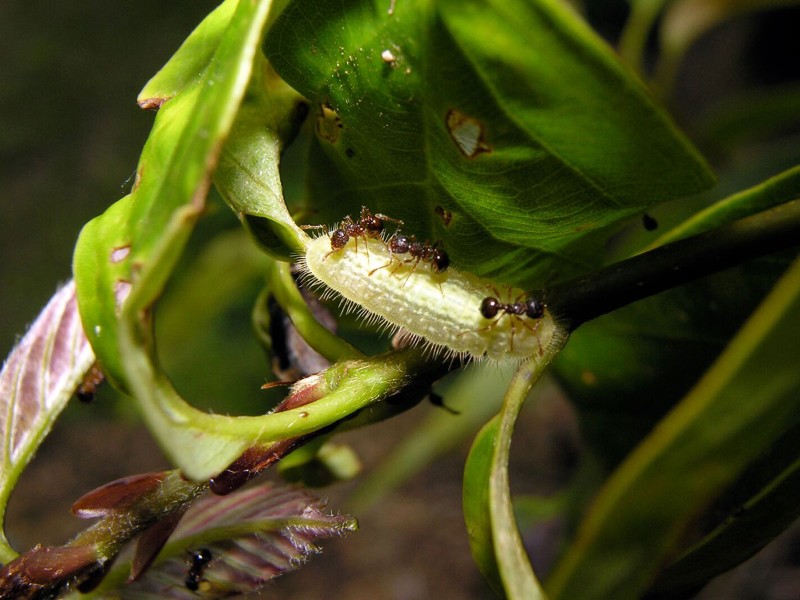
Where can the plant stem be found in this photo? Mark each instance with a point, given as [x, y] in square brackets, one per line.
[594, 294]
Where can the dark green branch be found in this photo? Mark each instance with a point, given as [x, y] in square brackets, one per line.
[600, 292]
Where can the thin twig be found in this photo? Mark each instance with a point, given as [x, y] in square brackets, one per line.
[594, 294]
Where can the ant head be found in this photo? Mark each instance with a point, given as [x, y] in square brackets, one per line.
[371, 223]
[399, 243]
[201, 557]
[339, 239]
[490, 307]
[439, 260]
[534, 309]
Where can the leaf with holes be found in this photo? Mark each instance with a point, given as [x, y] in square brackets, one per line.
[512, 115]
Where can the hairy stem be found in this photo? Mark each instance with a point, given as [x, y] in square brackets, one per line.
[594, 294]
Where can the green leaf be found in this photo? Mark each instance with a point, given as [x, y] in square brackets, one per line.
[634, 36]
[124, 257]
[751, 526]
[740, 407]
[476, 502]
[539, 138]
[488, 511]
[658, 347]
[654, 349]
[248, 176]
[191, 59]
[776, 190]
[37, 379]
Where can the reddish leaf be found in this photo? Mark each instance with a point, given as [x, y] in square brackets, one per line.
[116, 495]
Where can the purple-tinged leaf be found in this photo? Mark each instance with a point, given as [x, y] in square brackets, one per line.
[246, 539]
[38, 378]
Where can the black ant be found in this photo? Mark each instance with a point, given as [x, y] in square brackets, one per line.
[197, 563]
[367, 226]
[529, 307]
[400, 243]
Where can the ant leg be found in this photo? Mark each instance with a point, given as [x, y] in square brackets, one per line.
[400, 264]
[411, 272]
[513, 331]
[534, 330]
[384, 217]
[381, 267]
[489, 327]
[388, 218]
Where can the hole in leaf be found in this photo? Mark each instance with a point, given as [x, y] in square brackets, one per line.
[467, 132]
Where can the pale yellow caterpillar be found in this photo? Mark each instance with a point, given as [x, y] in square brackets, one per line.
[443, 309]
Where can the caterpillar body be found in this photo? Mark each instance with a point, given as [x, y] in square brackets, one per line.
[442, 309]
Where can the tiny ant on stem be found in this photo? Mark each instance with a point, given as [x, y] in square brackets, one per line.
[197, 563]
[368, 225]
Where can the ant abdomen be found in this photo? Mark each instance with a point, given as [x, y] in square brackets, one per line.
[399, 244]
[534, 308]
[339, 239]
